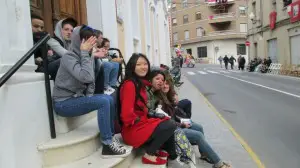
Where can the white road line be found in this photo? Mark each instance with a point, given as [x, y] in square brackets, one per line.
[202, 72]
[276, 90]
[225, 72]
[191, 73]
[235, 71]
[213, 72]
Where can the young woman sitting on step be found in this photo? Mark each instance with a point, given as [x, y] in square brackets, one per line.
[139, 126]
[193, 131]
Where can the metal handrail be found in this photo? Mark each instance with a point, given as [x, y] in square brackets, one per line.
[41, 44]
[14, 68]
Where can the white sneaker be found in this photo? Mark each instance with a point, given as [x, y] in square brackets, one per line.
[177, 164]
[124, 146]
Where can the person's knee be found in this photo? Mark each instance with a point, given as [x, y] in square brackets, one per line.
[169, 125]
[107, 65]
[101, 100]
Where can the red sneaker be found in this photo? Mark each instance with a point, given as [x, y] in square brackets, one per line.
[162, 153]
[158, 161]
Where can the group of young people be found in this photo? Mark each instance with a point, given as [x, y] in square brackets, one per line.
[139, 94]
[61, 43]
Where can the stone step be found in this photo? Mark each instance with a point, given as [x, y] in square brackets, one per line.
[67, 124]
[72, 146]
[95, 161]
[137, 162]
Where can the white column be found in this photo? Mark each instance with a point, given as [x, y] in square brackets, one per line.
[148, 30]
[94, 14]
[135, 22]
[128, 30]
[109, 20]
[168, 48]
[161, 33]
[15, 33]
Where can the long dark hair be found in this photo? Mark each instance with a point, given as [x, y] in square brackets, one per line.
[167, 105]
[154, 73]
[131, 75]
[171, 93]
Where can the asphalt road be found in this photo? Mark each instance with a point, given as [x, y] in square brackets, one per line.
[263, 109]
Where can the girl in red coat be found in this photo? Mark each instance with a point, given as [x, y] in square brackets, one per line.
[138, 127]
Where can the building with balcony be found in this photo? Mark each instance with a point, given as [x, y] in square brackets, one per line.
[208, 28]
[274, 30]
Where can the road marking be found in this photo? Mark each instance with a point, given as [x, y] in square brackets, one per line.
[263, 86]
[225, 72]
[213, 72]
[191, 73]
[252, 154]
[202, 72]
[235, 71]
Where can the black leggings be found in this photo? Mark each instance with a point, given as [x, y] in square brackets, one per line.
[163, 135]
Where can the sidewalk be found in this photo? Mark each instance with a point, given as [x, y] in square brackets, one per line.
[216, 131]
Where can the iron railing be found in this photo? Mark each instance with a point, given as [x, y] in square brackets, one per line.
[41, 44]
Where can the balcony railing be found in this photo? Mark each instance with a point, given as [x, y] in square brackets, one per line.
[214, 2]
[215, 35]
[224, 32]
[222, 17]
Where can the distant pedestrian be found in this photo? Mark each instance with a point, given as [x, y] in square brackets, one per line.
[242, 62]
[239, 59]
[268, 62]
[179, 55]
[231, 61]
[220, 60]
[226, 60]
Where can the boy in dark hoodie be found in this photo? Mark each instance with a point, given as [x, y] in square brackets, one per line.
[60, 44]
[73, 92]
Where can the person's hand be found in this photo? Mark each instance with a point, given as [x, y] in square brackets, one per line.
[176, 99]
[38, 61]
[50, 53]
[99, 53]
[87, 45]
[186, 125]
[119, 60]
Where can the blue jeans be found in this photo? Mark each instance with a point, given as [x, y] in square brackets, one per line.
[111, 70]
[78, 106]
[195, 135]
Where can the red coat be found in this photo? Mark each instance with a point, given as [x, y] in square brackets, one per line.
[135, 134]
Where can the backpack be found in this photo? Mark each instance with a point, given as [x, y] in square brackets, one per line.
[183, 146]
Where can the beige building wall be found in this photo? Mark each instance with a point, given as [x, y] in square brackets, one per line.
[223, 30]
[259, 33]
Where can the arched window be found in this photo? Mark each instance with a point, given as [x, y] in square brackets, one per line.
[200, 32]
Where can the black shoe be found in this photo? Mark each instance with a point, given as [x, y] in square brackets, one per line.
[113, 150]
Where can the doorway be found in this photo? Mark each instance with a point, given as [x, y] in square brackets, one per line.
[272, 50]
[54, 10]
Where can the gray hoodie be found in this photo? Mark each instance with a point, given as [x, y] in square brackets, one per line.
[55, 45]
[75, 76]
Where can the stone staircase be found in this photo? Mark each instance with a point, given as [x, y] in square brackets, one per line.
[78, 146]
